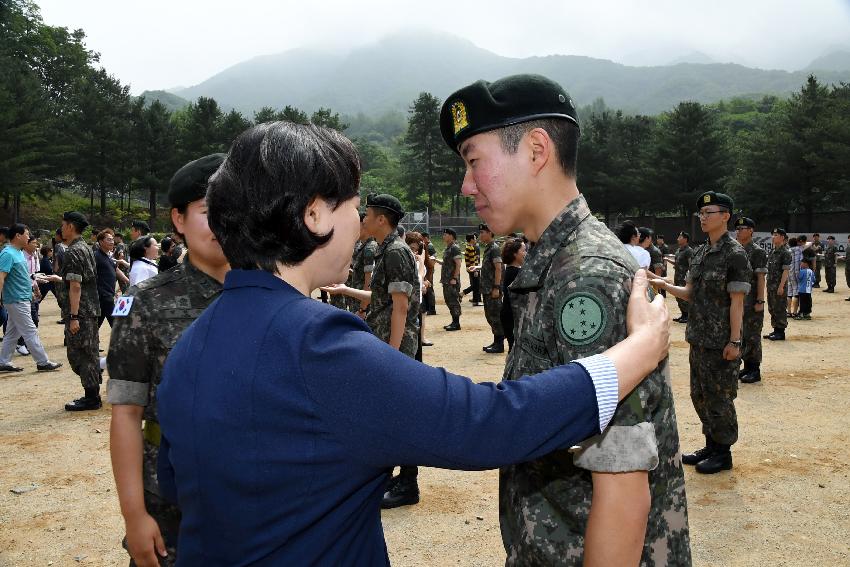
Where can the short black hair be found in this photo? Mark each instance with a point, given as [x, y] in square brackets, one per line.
[137, 248]
[257, 198]
[45, 250]
[425, 234]
[166, 244]
[801, 238]
[685, 235]
[644, 233]
[141, 226]
[450, 231]
[792, 243]
[805, 261]
[392, 217]
[511, 249]
[626, 231]
[563, 133]
[470, 237]
[16, 229]
[4, 230]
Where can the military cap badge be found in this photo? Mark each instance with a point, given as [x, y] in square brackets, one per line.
[459, 116]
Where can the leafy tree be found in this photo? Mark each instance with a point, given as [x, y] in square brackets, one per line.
[200, 129]
[292, 114]
[423, 148]
[689, 157]
[232, 125]
[265, 114]
[329, 119]
[155, 140]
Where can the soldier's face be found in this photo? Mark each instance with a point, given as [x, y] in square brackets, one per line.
[778, 239]
[202, 242]
[496, 181]
[681, 241]
[744, 234]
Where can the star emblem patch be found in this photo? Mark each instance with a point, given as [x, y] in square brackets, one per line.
[582, 319]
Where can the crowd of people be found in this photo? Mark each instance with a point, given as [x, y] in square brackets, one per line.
[255, 425]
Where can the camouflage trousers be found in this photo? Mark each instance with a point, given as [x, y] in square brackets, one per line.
[684, 306]
[451, 293]
[83, 355]
[167, 516]
[751, 337]
[847, 273]
[830, 277]
[493, 311]
[714, 387]
[777, 305]
[818, 269]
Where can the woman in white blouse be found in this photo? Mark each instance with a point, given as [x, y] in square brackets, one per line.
[143, 254]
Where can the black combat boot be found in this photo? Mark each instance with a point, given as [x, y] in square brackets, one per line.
[777, 335]
[721, 460]
[497, 347]
[753, 376]
[700, 454]
[91, 401]
[402, 491]
[454, 325]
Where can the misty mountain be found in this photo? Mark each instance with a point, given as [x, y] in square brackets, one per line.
[389, 74]
[171, 101]
[835, 61]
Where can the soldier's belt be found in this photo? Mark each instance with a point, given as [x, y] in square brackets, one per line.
[152, 433]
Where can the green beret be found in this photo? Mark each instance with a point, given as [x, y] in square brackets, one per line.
[745, 221]
[387, 202]
[712, 198]
[484, 106]
[190, 182]
[77, 218]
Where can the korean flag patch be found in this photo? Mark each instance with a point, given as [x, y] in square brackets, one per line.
[122, 306]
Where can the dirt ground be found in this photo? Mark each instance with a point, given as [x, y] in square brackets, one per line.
[786, 502]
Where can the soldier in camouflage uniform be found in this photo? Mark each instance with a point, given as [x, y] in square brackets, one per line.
[148, 322]
[818, 248]
[778, 268]
[681, 264]
[491, 287]
[753, 302]
[81, 311]
[718, 281]
[829, 254]
[362, 265]
[656, 260]
[394, 287]
[570, 301]
[450, 277]
[428, 298]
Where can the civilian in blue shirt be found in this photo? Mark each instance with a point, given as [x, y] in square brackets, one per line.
[281, 416]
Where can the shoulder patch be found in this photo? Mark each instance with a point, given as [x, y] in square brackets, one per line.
[123, 306]
[582, 318]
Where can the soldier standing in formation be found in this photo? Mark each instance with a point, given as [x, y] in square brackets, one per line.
[753, 303]
[718, 281]
[681, 264]
[362, 265]
[428, 297]
[778, 269]
[81, 311]
[450, 277]
[829, 254]
[656, 259]
[519, 138]
[148, 322]
[818, 248]
[491, 287]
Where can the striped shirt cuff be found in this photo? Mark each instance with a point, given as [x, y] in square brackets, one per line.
[603, 373]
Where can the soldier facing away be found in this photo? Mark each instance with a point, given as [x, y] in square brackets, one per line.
[518, 137]
[682, 264]
[829, 254]
[450, 277]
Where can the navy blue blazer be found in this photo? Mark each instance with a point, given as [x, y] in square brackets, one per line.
[281, 417]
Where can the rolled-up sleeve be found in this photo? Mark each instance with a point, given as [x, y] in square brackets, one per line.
[603, 373]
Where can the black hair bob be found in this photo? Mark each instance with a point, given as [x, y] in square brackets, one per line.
[257, 198]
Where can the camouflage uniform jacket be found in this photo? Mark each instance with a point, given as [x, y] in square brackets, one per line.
[362, 261]
[79, 266]
[716, 271]
[758, 263]
[447, 269]
[656, 261]
[492, 262]
[829, 256]
[682, 263]
[145, 331]
[570, 302]
[395, 271]
[780, 259]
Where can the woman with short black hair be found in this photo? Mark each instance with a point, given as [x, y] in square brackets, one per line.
[281, 416]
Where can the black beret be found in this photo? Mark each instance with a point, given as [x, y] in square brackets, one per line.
[77, 218]
[830, 237]
[484, 106]
[712, 198]
[745, 221]
[190, 182]
[387, 202]
[483, 226]
[684, 234]
[779, 231]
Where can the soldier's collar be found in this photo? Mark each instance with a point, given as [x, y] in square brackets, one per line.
[203, 281]
[389, 238]
[559, 232]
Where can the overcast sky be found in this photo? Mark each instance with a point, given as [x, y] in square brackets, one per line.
[154, 44]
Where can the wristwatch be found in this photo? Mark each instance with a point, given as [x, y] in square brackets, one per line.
[759, 301]
[735, 343]
[74, 317]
